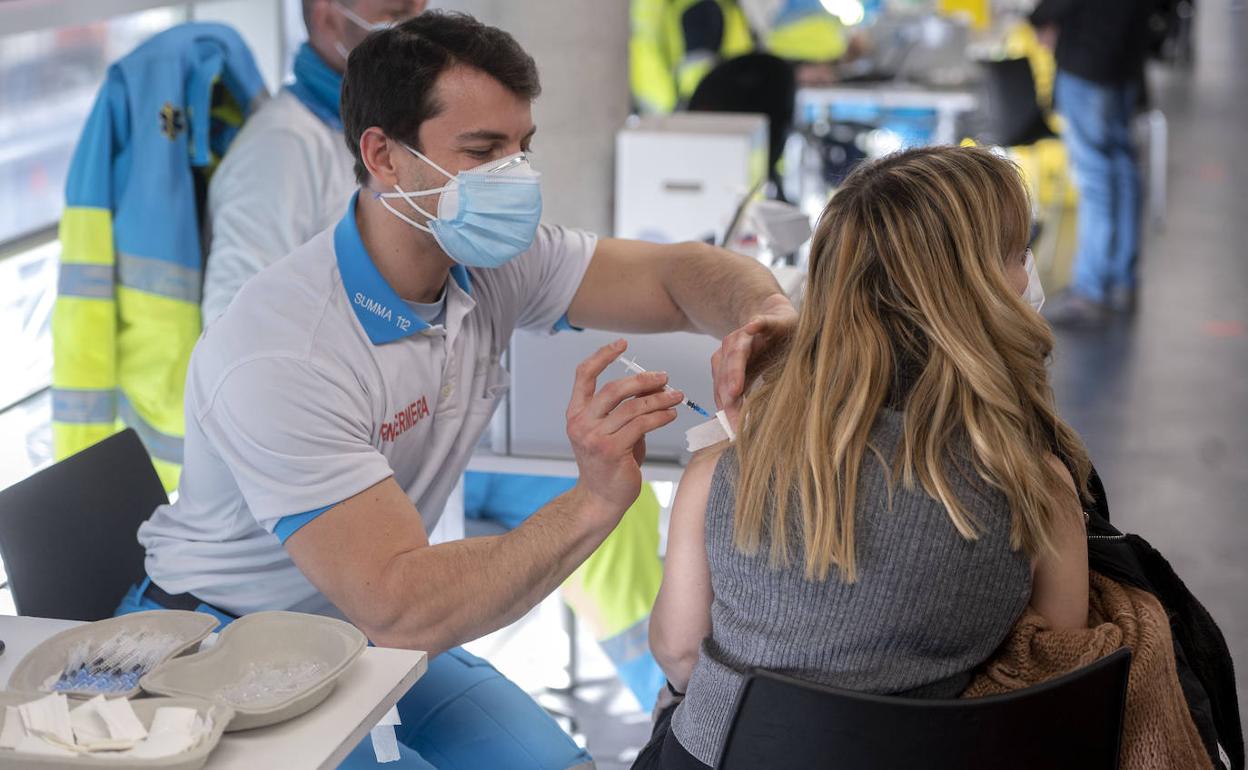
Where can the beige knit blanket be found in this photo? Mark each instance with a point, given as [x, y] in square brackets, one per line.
[1158, 733]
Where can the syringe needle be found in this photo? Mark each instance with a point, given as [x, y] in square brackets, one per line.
[636, 368]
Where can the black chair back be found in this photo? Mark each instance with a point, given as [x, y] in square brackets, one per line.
[67, 533]
[1074, 721]
[1012, 110]
[755, 82]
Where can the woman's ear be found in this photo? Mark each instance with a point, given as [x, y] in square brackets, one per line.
[1016, 274]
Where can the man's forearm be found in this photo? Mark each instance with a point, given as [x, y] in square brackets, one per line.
[469, 588]
[718, 290]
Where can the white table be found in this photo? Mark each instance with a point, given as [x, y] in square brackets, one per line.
[948, 103]
[320, 738]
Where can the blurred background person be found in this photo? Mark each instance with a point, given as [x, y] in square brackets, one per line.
[1100, 47]
[288, 174]
[674, 44]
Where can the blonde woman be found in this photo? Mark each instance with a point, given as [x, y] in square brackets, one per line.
[895, 498]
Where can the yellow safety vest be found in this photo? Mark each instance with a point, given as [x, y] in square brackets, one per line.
[663, 74]
[813, 37]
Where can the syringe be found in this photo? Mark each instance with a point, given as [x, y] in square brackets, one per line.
[636, 368]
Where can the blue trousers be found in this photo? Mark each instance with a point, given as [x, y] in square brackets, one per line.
[1102, 157]
[461, 715]
[510, 499]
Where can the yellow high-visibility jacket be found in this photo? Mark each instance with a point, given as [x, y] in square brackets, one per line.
[127, 308]
[805, 32]
[674, 43]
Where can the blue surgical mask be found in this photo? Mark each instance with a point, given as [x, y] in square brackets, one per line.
[487, 216]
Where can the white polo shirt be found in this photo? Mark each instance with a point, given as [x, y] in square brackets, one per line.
[319, 381]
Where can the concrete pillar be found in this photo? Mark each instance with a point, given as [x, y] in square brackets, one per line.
[581, 49]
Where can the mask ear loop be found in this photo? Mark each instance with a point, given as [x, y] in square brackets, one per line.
[407, 195]
[382, 197]
[425, 158]
[360, 21]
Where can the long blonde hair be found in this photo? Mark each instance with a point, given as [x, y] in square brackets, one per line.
[907, 274]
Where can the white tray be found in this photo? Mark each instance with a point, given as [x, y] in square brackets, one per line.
[48, 658]
[145, 710]
[263, 638]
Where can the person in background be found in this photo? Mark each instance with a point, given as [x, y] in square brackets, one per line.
[886, 536]
[1100, 49]
[673, 44]
[288, 174]
[804, 33]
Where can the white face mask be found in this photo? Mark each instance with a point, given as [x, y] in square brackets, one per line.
[1034, 295]
[359, 21]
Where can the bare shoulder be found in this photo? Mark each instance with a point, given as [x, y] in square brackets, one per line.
[710, 455]
[694, 489]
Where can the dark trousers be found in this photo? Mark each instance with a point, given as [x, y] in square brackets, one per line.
[664, 752]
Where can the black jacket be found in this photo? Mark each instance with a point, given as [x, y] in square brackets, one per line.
[1100, 40]
[1203, 660]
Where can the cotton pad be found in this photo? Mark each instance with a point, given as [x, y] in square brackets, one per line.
[709, 433]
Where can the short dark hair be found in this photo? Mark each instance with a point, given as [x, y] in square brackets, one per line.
[391, 75]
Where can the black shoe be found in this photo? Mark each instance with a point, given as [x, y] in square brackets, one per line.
[1122, 299]
[1074, 311]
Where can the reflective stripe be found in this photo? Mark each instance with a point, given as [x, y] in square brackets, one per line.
[156, 276]
[91, 281]
[79, 406]
[160, 445]
[631, 643]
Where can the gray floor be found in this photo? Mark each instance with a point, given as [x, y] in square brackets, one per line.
[1162, 401]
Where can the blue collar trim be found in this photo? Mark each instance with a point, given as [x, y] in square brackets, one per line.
[318, 86]
[380, 310]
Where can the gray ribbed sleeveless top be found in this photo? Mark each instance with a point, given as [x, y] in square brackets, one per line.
[927, 608]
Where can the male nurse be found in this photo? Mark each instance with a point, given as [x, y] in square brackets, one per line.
[288, 176]
[334, 404]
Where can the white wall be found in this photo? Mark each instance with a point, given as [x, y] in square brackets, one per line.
[581, 49]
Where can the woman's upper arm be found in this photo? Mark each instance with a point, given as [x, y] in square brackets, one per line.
[1060, 585]
[682, 611]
